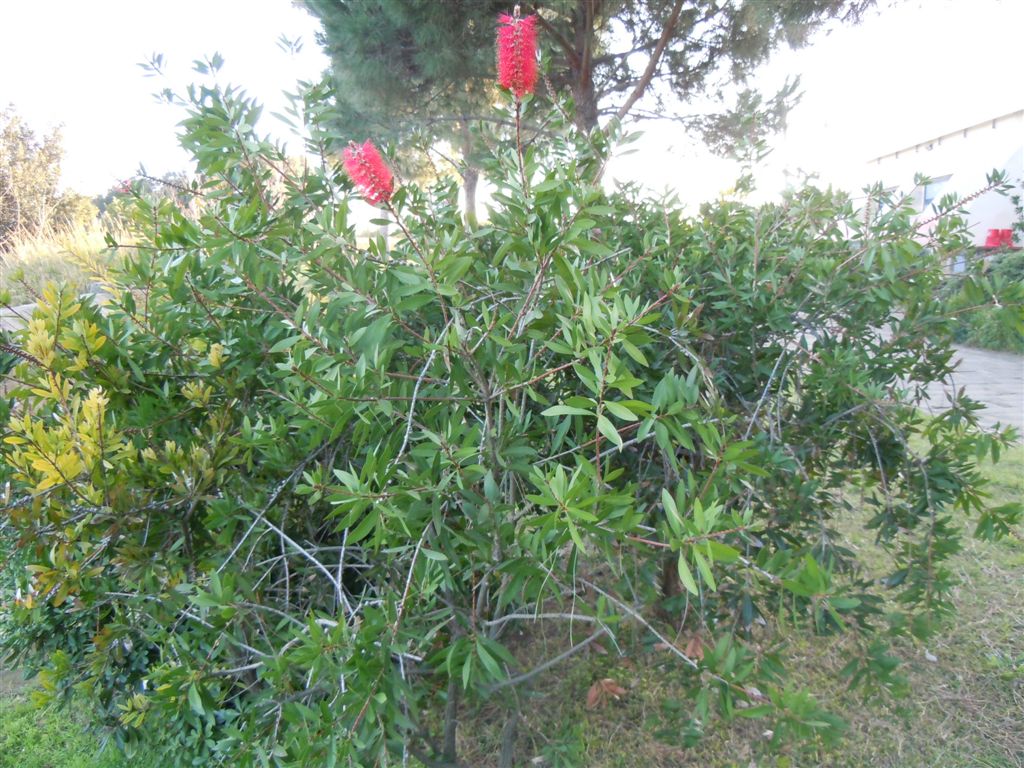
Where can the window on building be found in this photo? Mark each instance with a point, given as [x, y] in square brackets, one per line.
[932, 190]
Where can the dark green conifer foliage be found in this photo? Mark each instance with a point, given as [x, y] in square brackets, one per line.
[424, 67]
[405, 71]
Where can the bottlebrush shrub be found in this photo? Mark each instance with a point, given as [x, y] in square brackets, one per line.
[288, 498]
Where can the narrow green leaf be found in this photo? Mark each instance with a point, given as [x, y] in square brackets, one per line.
[698, 516]
[617, 409]
[575, 534]
[362, 530]
[685, 575]
[565, 410]
[705, 569]
[844, 603]
[634, 352]
[284, 344]
[195, 701]
[672, 512]
[607, 429]
[489, 662]
[722, 553]
[759, 711]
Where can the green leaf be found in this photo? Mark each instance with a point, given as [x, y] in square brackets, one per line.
[634, 352]
[362, 530]
[705, 569]
[844, 603]
[672, 512]
[621, 411]
[195, 701]
[686, 576]
[722, 553]
[284, 344]
[759, 711]
[489, 662]
[698, 516]
[608, 429]
[565, 410]
[575, 534]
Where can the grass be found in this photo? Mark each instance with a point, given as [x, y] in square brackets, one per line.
[45, 738]
[66, 257]
[964, 706]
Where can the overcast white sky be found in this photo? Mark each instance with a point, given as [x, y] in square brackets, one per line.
[911, 71]
[907, 73]
[75, 62]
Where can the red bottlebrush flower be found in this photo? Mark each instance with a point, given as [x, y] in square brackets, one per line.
[369, 172]
[517, 54]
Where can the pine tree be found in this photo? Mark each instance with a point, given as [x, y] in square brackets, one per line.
[408, 67]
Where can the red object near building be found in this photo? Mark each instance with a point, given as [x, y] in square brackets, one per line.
[999, 238]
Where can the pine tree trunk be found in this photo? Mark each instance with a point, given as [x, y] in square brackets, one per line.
[586, 105]
[584, 40]
[470, 176]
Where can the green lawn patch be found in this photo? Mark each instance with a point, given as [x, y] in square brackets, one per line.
[33, 737]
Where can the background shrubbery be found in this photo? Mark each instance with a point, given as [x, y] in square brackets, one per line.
[291, 500]
[31, 202]
[976, 321]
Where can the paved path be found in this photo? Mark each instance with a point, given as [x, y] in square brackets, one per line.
[13, 318]
[993, 378]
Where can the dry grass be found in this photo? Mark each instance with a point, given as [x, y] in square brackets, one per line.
[66, 257]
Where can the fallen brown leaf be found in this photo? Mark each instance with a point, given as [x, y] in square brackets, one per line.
[599, 693]
[695, 648]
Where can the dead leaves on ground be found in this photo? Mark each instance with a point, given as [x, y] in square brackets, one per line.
[602, 691]
[607, 689]
[694, 649]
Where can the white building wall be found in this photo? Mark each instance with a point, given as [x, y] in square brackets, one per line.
[966, 156]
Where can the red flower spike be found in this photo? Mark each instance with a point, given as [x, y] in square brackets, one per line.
[369, 172]
[517, 54]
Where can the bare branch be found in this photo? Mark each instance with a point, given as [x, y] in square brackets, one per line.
[549, 663]
[652, 65]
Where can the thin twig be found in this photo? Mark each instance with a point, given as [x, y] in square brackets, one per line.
[549, 663]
